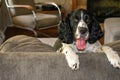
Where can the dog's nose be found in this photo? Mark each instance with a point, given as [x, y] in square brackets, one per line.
[83, 30]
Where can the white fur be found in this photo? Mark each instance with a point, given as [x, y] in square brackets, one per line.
[112, 56]
[71, 56]
[77, 33]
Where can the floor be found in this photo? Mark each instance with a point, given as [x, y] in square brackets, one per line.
[12, 31]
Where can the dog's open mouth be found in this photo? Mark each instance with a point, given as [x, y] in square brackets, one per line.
[81, 43]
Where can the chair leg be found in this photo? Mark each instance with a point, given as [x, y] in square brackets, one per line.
[35, 33]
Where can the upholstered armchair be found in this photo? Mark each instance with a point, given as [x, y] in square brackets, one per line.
[23, 14]
[112, 29]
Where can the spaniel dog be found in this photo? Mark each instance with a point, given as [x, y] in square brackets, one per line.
[80, 32]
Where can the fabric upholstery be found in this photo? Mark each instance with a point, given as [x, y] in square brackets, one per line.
[112, 29]
[21, 65]
[24, 20]
[22, 43]
[46, 20]
[43, 20]
[53, 66]
[115, 45]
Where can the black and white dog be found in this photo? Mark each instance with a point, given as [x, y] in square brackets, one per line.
[80, 32]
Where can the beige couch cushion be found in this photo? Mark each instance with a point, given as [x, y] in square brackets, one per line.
[22, 43]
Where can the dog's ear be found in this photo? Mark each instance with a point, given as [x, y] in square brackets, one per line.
[65, 32]
[95, 31]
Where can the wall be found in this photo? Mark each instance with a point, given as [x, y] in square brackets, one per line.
[82, 3]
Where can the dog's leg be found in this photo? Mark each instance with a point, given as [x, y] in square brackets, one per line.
[112, 56]
[71, 56]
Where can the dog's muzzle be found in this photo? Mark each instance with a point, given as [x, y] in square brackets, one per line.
[82, 36]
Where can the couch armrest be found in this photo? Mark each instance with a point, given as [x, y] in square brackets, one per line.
[53, 66]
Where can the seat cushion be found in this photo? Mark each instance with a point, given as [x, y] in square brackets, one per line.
[43, 20]
[46, 20]
[24, 21]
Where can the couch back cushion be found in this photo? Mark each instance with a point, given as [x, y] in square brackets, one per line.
[22, 43]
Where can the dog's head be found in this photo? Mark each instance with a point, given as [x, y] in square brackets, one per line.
[80, 26]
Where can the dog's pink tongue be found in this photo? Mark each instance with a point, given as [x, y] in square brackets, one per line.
[80, 44]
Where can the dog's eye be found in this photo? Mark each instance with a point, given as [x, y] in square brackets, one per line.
[86, 18]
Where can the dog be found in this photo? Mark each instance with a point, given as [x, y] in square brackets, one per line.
[79, 32]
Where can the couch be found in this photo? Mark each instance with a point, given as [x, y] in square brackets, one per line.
[27, 58]
[112, 29]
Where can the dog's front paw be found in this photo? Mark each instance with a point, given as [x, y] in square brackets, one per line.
[73, 61]
[71, 56]
[115, 60]
[112, 56]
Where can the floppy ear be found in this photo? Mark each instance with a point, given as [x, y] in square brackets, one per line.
[65, 32]
[95, 31]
